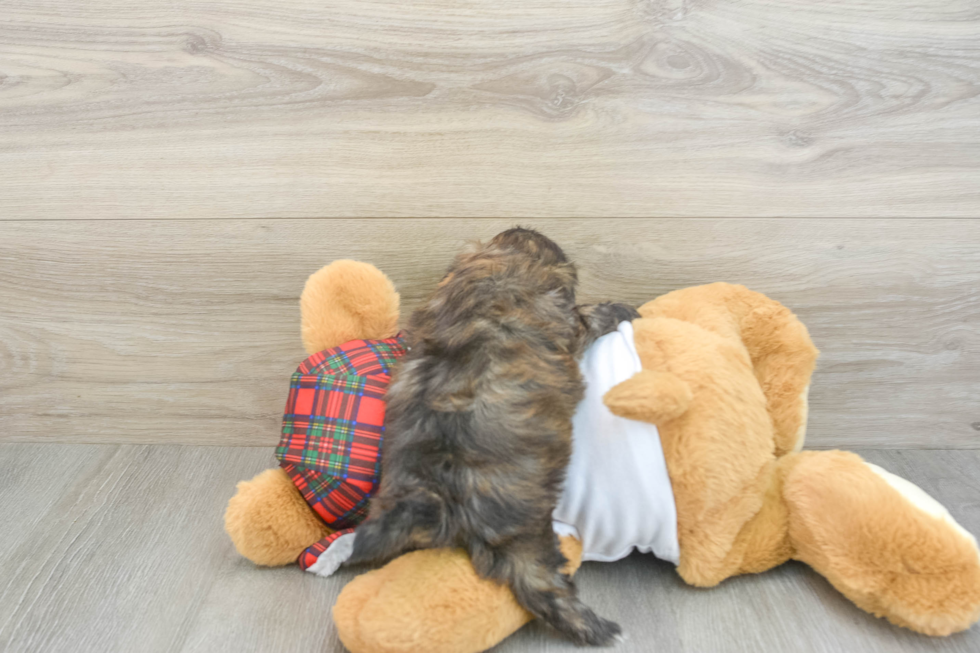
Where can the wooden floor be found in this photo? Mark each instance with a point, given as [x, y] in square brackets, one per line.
[121, 548]
[172, 170]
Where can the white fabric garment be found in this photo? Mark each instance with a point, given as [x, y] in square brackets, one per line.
[336, 554]
[617, 494]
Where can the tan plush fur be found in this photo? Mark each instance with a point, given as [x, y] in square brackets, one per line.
[347, 300]
[779, 346]
[269, 521]
[719, 481]
[442, 605]
[903, 564]
[766, 504]
[671, 397]
[724, 379]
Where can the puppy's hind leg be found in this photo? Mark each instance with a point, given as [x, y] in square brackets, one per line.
[411, 523]
[531, 567]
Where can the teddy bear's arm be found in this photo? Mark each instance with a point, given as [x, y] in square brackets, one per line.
[650, 396]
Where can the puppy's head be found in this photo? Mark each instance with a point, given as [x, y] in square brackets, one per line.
[519, 275]
[530, 243]
[523, 256]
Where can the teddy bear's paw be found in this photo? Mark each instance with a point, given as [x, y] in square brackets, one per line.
[650, 396]
[347, 300]
[269, 522]
[427, 601]
[883, 542]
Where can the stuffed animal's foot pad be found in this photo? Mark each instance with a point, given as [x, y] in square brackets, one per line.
[883, 542]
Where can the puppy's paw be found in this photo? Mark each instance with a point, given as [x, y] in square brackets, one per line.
[596, 631]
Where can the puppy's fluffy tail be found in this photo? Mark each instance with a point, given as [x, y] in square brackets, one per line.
[413, 522]
[532, 570]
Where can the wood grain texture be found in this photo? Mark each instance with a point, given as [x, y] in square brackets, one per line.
[187, 331]
[304, 108]
[120, 548]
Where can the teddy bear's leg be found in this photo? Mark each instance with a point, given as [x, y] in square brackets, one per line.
[269, 522]
[347, 300]
[778, 344]
[431, 601]
[883, 542]
[783, 358]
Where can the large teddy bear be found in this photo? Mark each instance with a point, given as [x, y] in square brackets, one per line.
[686, 445]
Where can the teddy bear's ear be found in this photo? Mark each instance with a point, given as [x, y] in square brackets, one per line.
[347, 300]
[649, 396]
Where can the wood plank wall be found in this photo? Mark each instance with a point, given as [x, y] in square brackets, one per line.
[170, 172]
[313, 108]
[187, 331]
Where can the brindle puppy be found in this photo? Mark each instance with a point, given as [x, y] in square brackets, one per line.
[479, 424]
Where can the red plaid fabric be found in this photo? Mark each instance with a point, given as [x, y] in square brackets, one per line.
[333, 428]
